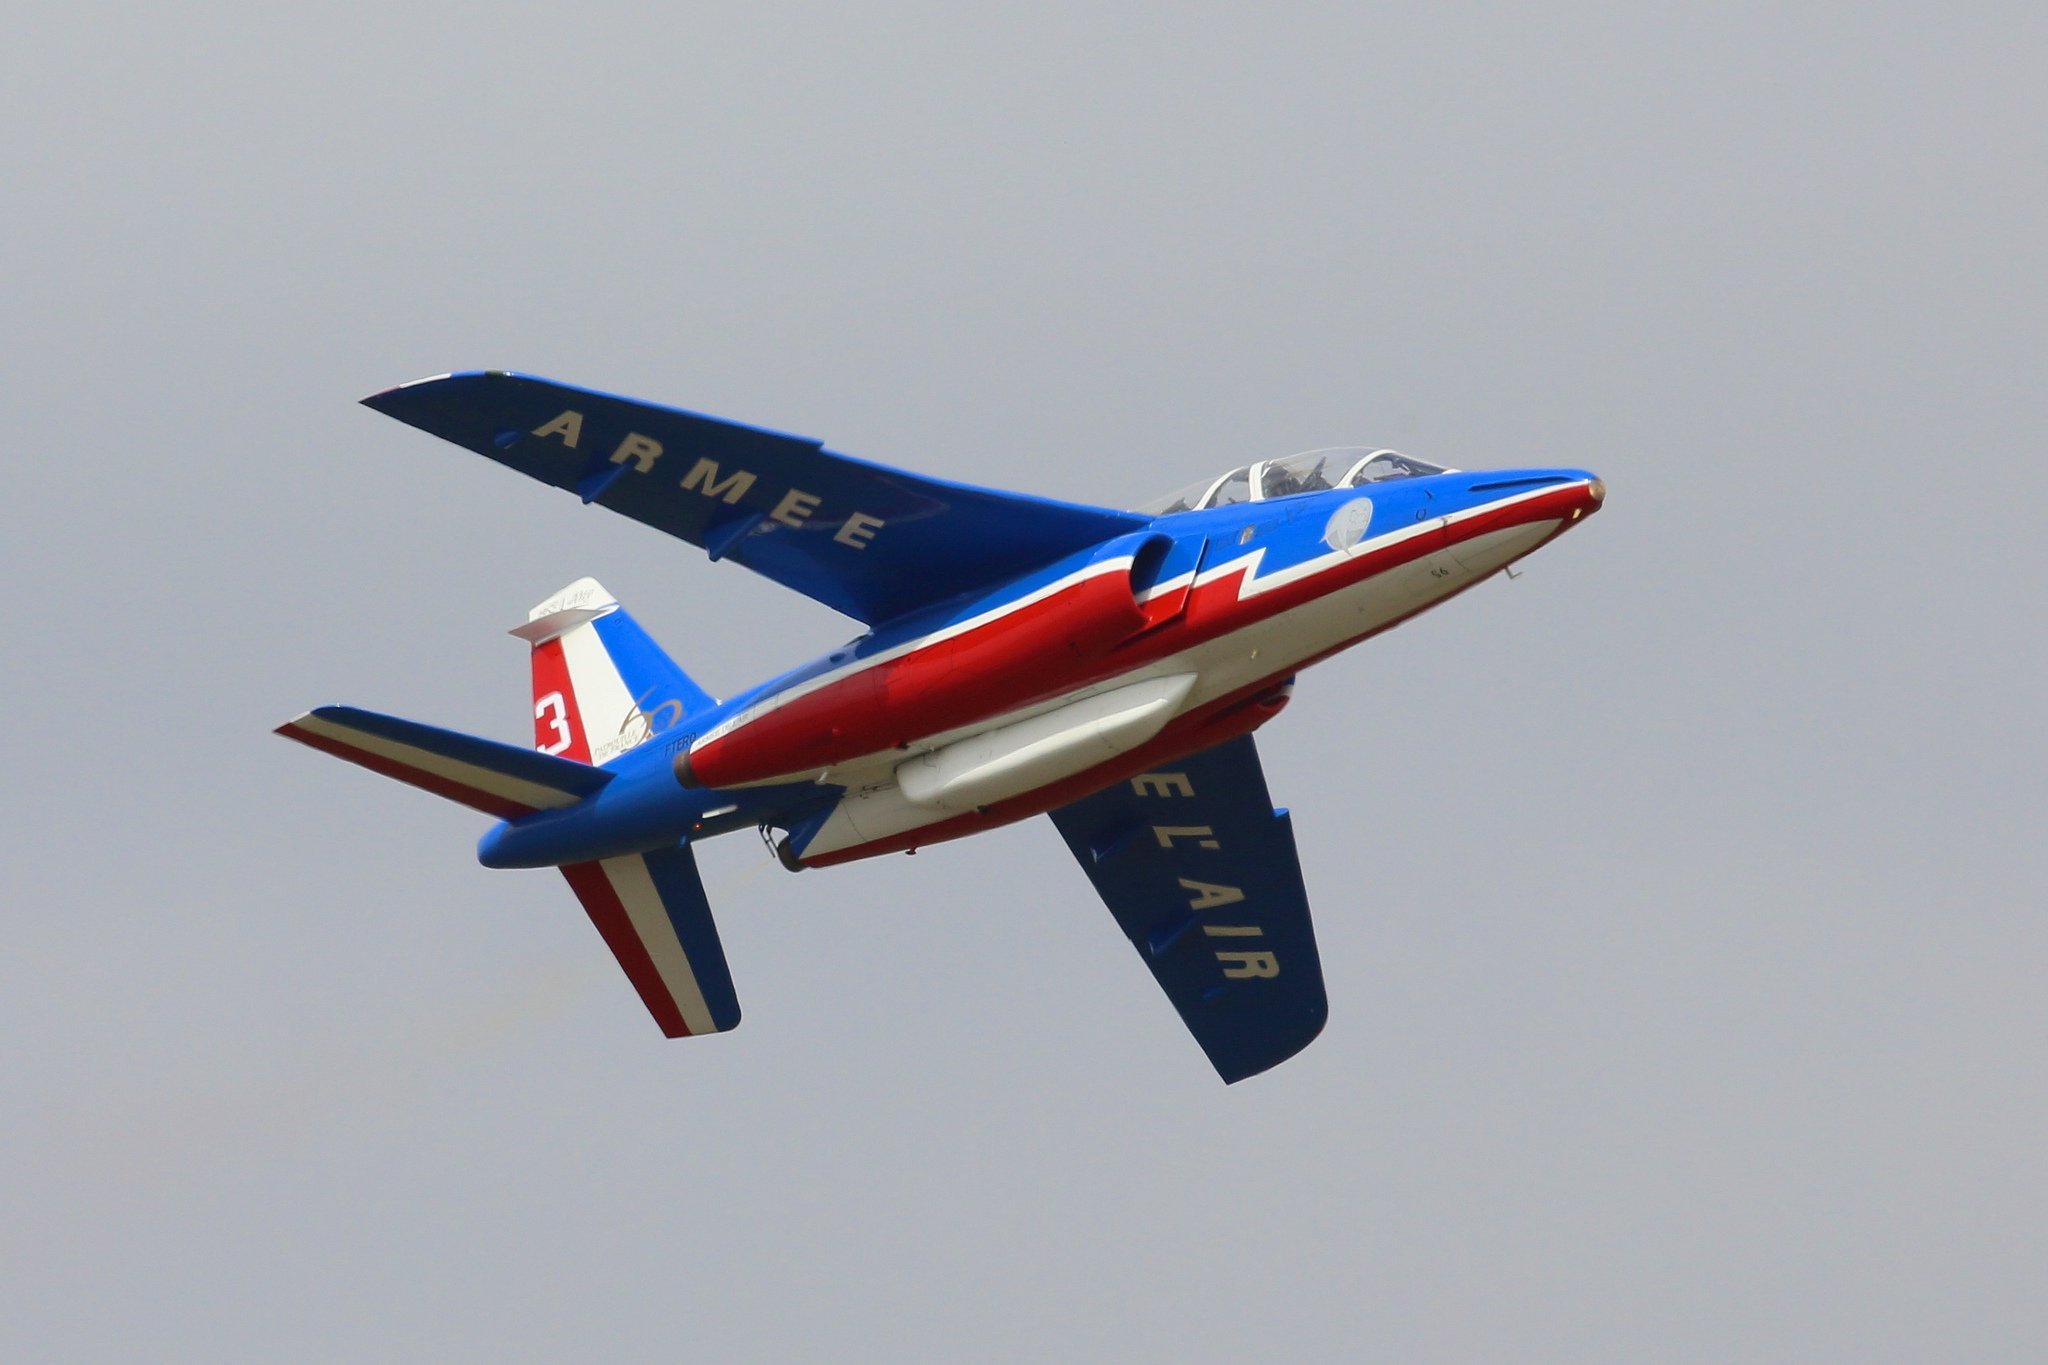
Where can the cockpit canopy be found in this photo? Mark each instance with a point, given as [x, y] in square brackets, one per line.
[1313, 471]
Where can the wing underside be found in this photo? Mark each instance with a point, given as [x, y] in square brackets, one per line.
[1201, 874]
[865, 539]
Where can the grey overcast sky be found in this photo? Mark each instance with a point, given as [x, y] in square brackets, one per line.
[1682, 903]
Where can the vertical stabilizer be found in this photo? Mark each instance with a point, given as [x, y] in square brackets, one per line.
[601, 686]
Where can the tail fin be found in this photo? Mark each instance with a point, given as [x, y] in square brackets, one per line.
[649, 907]
[601, 686]
[498, 779]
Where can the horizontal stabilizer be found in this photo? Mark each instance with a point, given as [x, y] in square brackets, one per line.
[498, 779]
[651, 909]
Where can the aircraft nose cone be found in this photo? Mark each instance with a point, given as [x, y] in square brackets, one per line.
[1590, 492]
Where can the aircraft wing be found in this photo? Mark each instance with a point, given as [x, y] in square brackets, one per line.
[1201, 874]
[862, 538]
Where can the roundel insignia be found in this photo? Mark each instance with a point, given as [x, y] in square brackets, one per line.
[1348, 523]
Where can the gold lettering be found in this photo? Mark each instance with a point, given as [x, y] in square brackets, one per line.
[643, 451]
[794, 507]
[1163, 784]
[860, 528]
[1166, 834]
[569, 426]
[1233, 931]
[1249, 964]
[732, 488]
[1208, 895]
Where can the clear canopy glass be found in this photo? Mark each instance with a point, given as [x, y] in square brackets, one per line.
[1313, 471]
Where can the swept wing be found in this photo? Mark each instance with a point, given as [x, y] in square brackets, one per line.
[865, 539]
[1201, 874]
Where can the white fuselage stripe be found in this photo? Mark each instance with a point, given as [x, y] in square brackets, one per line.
[1252, 585]
[1259, 650]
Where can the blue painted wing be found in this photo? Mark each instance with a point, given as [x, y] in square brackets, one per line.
[1201, 874]
[862, 538]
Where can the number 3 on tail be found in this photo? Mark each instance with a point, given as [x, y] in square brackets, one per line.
[555, 713]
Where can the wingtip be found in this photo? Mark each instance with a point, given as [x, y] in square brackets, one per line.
[383, 396]
[1236, 1071]
[384, 399]
[296, 726]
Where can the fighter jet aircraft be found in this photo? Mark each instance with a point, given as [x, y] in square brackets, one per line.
[1022, 656]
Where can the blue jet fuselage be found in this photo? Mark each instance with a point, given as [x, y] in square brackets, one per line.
[1235, 598]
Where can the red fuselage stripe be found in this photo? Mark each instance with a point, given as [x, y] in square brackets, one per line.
[1221, 719]
[892, 703]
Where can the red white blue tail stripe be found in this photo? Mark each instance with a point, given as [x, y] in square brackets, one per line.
[651, 910]
[601, 686]
[498, 779]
